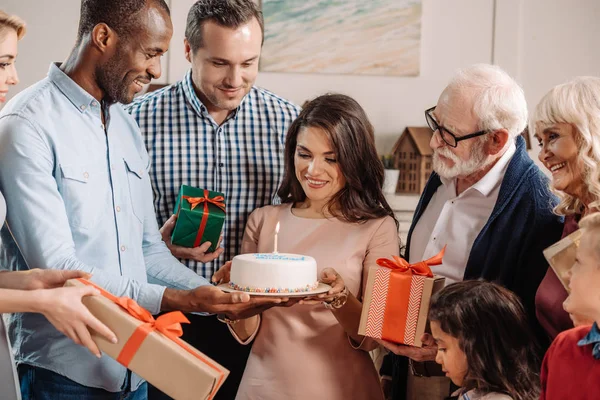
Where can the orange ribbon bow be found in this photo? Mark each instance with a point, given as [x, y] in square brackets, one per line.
[217, 200]
[168, 324]
[194, 201]
[399, 264]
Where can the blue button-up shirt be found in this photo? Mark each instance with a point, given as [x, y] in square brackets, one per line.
[79, 197]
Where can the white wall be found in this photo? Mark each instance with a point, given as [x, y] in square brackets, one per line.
[540, 42]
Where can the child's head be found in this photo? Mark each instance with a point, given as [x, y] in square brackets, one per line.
[484, 340]
[584, 281]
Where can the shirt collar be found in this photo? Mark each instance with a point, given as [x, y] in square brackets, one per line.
[196, 103]
[593, 337]
[494, 176]
[81, 99]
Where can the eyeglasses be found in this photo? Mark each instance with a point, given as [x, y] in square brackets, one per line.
[448, 137]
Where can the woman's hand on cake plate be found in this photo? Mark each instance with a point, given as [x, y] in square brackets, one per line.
[197, 253]
[223, 274]
[331, 278]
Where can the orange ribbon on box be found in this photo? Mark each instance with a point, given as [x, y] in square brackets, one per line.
[168, 324]
[403, 298]
[194, 201]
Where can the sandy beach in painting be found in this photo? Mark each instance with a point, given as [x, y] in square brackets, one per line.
[356, 37]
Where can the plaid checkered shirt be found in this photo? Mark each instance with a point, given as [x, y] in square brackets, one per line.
[243, 158]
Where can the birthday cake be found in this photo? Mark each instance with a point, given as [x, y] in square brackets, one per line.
[273, 273]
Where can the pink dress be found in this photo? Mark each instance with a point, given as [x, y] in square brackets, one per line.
[302, 352]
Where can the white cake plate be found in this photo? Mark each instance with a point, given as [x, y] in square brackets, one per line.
[322, 288]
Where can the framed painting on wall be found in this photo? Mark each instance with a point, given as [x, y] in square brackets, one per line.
[354, 37]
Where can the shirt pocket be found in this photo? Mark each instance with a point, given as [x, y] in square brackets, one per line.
[85, 193]
[135, 178]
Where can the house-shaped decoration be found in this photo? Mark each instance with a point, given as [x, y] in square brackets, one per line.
[412, 156]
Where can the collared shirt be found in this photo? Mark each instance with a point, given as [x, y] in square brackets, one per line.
[79, 197]
[593, 338]
[242, 158]
[455, 221]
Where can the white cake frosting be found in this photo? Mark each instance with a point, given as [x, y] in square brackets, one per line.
[273, 273]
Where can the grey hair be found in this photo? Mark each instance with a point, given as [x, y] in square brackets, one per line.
[498, 102]
[577, 103]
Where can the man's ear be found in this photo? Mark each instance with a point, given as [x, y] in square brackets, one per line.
[103, 37]
[497, 141]
[187, 50]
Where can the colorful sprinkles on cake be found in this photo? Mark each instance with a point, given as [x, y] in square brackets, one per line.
[249, 289]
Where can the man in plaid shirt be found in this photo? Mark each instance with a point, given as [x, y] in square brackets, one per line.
[215, 130]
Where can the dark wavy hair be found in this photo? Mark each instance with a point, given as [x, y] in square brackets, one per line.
[350, 133]
[492, 329]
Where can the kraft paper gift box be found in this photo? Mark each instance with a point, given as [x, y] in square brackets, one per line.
[200, 217]
[152, 348]
[561, 256]
[396, 300]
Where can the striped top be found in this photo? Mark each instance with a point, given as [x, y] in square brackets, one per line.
[242, 158]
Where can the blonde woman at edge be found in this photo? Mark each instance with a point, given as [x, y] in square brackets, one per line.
[566, 124]
[37, 290]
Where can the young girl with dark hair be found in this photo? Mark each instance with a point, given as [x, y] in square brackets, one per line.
[333, 210]
[484, 342]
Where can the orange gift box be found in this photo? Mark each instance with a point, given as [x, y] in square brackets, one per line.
[396, 300]
[152, 348]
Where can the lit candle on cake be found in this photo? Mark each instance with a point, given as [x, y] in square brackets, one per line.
[276, 232]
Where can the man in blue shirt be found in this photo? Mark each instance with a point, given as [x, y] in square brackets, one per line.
[216, 130]
[74, 171]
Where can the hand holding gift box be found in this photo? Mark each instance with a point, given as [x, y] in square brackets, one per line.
[396, 300]
[200, 217]
[561, 256]
[151, 347]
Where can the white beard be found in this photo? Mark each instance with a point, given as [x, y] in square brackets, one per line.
[476, 162]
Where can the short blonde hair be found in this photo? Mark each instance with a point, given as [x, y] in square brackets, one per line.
[8, 21]
[577, 103]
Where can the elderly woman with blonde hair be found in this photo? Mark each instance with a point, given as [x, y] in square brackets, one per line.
[566, 124]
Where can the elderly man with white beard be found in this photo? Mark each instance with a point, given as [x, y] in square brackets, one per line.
[486, 201]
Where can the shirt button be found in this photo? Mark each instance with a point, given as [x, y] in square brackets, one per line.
[221, 165]
[122, 248]
[434, 239]
[118, 209]
[94, 103]
[86, 175]
[82, 106]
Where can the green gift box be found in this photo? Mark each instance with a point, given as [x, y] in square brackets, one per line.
[200, 217]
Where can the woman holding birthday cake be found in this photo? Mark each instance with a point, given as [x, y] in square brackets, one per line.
[334, 211]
